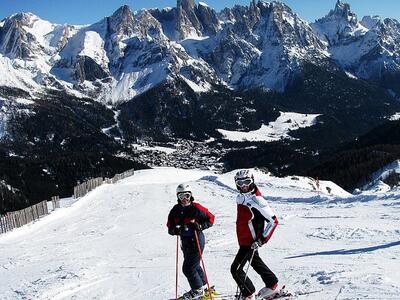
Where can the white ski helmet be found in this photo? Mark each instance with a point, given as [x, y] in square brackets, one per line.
[183, 187]
[244, 178]
[243, 174]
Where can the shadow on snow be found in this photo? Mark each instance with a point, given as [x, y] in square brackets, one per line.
[348, 252]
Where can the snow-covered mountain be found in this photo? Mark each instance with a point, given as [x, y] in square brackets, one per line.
[29, 48]
[260, 45]
[367, 48]
[218, 80]
[113, 243]
[264, 44]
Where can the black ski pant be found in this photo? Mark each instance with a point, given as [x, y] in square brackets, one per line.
[191, 261]
[246, 287]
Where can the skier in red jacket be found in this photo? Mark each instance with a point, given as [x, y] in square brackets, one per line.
[255, 225]
[184, 219]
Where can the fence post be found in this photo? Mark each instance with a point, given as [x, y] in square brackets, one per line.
[17, 221]
[41, 208]
[11, 221]
[25, 216]
[1, 224]
[9, 225]
[46, 209]
[20, 218]
[30, 214]
[39, 212]
[4, 221]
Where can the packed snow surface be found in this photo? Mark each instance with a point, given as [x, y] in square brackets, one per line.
[113, 243]
[274, 131]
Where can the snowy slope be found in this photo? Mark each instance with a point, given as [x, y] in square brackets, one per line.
[274, 131]
[376, 184]
[113, 244]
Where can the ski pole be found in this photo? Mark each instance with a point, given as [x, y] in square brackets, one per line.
[176, 267]
[202, 262]
[248, 266]
[247, 271]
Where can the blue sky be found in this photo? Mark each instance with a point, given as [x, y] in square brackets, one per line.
[90, 11]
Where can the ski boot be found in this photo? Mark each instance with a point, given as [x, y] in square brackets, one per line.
[268, 293]
[193, 295]
[211, 291]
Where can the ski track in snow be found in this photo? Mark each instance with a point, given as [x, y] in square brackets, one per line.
[113, 243]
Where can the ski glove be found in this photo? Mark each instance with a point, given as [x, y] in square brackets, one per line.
[196, 226]
[177, 230]
[257, 244]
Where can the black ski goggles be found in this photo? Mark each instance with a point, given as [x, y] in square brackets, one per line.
[244, 182]
[184, 195]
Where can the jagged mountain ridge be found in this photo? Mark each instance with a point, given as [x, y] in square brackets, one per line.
[184, 73]
[260, 45]
[369, 49]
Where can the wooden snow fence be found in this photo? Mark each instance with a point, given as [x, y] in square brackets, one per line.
[56, 202]
[121, 176]
[22, 217]
[82, 189]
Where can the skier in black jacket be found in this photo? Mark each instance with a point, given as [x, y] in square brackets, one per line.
[184, 219]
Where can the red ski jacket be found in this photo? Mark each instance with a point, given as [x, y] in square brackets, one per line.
[183, 216]
[255, 219]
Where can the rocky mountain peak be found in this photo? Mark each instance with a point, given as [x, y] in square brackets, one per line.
[187, 23]
[281, 13]
[14, 38]
[122, 13]
[388, 30]
[284, 27]
[147, 25]
[370, 21]
[342, 11]
[261, 44]
[208, 18]
[339, 26]
[187, 5]
[122, 21]
[25, 18]
[341, 8]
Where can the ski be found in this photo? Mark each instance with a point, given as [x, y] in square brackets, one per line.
[214, 296]
[307, 293]
[285, 294]
[206, 296]
[282, 294]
